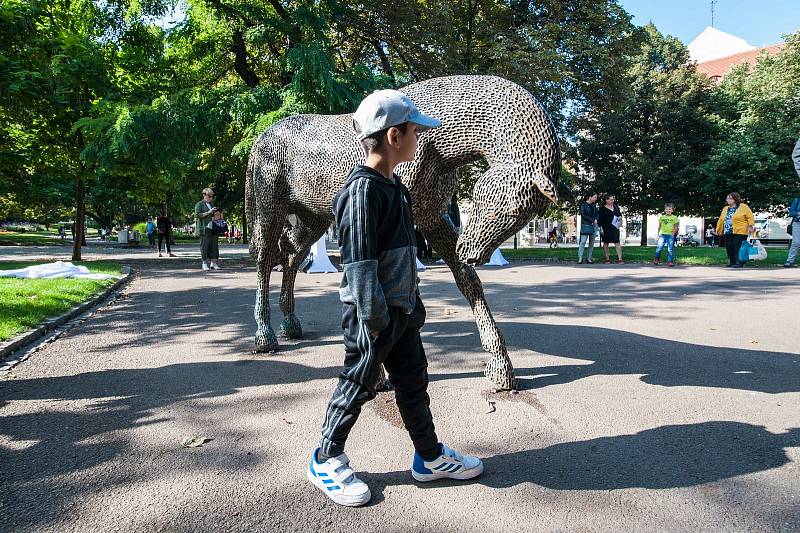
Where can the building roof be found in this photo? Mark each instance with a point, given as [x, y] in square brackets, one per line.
[713, 44]
[718, 68]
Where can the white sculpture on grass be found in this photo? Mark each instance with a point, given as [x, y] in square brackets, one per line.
[497, 259]
[320, 262]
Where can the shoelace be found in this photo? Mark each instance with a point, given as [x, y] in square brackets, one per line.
[449, 452]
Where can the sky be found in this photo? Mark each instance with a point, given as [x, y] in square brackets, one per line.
[759, 23]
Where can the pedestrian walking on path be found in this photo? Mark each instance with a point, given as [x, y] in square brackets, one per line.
[668, 226]
[383, 311]
[209, 247]
[735, 224]
[610, 220]
[164, 229]
[589, 215]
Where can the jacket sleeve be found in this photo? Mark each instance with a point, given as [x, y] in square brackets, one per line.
[794, 208]
[359, 234]
[796, 157]
[721, 223]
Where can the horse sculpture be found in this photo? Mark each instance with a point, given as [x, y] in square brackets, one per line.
[299, 164]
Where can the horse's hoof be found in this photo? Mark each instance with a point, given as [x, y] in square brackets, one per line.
[266, 342]
[291, 328]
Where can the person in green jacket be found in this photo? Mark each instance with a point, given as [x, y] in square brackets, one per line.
[209, 248]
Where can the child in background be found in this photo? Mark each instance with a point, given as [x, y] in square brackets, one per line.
[667, 231]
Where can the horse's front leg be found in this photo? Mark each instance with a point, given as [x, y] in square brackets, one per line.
[498, 368]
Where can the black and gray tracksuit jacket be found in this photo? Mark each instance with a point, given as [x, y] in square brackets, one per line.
[377, 245]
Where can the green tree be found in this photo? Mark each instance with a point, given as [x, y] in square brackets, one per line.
[651, 147]
[758, 112]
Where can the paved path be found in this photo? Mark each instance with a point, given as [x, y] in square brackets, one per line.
[653, 399]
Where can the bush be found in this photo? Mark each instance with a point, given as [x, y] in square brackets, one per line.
[141, 227]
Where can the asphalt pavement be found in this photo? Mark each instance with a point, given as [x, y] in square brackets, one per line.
[651, 399]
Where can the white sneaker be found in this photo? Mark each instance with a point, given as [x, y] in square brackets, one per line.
[215, 266]
[450, 464]
[337, 480]
[205, 268]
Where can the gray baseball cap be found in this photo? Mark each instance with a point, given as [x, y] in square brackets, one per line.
[387, 108]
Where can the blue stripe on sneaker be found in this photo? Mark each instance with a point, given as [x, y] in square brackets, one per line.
[452, 467]
[335, 487]
[456, 469]
[327, 481]
[322, 474]
[441, 466]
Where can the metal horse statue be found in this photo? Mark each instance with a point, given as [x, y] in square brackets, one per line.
[299, 164]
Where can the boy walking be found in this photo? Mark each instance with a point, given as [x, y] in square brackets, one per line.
[667, 231]
[382, 312]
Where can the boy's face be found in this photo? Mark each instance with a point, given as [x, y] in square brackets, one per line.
[668, 209]
[217, 215]
[403, 145]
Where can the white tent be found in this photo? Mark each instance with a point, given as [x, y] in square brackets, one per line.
[320, 262]
[497, 259]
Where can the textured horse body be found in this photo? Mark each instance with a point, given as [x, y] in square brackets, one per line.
[299, 164]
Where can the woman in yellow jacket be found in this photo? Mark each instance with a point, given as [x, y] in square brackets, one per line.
[735, 224]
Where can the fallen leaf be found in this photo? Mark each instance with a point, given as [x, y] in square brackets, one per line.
[195, 442]
[753, 341]
[492, 408]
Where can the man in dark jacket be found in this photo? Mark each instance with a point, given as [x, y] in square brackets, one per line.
[383, 311]
[589, 214]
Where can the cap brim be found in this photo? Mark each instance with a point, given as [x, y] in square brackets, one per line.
[424, 122]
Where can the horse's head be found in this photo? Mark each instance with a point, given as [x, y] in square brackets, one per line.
[505, 198]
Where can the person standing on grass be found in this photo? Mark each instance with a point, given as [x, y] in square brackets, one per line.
[610, 220]
[589, 215]
[383, 311]
[710, 233]
[150, 229]
[203, 212]
[667, 231]
[794, 213]
[735, 224]
[164, 230]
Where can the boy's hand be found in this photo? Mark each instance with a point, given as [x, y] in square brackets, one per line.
[374, 334]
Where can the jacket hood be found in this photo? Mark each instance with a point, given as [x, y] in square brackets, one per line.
[363, 171]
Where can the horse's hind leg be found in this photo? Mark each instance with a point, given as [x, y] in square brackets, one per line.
[498, 369]
[298, 241]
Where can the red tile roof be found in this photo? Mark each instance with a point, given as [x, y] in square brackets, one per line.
[718, 68]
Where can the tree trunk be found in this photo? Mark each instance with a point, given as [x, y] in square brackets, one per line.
[643, 241]
[241, 65]
[80, 214]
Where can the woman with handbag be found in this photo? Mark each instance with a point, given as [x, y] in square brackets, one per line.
[610, 221]
[735, 224]
[589, 215]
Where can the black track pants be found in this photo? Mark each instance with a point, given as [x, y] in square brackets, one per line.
[732, 244]
[399, 349]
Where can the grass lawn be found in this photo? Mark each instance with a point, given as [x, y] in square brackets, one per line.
[644, 254]
[39, 238]
[24, 303]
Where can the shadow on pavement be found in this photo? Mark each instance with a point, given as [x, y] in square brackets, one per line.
[58, 442]
[611, 352]
[660, 458]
